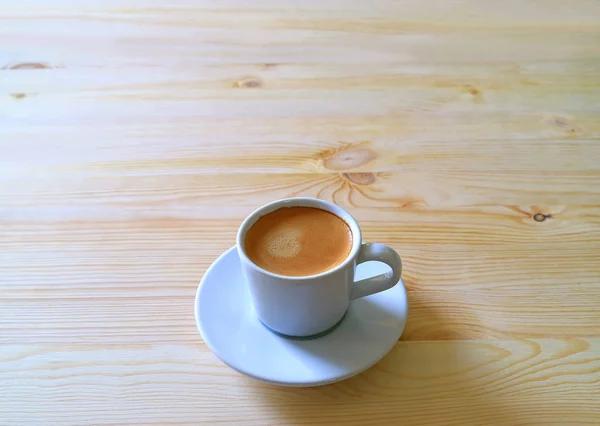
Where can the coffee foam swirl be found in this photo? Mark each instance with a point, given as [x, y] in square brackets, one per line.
[298, 241]
[284, 244]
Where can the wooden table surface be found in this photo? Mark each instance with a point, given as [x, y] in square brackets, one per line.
[135, 135]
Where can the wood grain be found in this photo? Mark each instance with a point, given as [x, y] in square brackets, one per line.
[420, 383]
[136, 135]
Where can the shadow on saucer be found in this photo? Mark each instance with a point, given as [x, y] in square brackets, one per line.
[417, 383]
[335, 350]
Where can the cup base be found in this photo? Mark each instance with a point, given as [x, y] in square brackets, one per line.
[312, 336]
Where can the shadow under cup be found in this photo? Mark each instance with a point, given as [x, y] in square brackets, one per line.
[306, 306]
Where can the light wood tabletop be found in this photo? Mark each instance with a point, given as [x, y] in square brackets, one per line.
[135, 135]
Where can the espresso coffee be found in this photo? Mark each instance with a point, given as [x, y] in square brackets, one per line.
[298, 241]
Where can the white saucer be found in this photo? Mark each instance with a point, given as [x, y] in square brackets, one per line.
[230, 328]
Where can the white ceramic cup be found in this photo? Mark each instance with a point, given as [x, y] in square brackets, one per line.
[306, 306]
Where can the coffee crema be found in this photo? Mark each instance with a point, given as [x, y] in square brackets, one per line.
[298, 241]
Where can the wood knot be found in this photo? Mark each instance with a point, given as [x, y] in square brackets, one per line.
[349, 158]
[569, 130]
[473, 91]
[559, 121]
[29, 66]
[540, 217]
[248, 83]
[268, 66]
[361, 179]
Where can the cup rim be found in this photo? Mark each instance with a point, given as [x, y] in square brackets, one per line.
[340, 212]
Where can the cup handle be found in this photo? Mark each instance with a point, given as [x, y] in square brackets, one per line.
[381, 253]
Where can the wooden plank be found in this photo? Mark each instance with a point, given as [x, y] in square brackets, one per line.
[542, 381]
[189, 195]
[472, 273]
